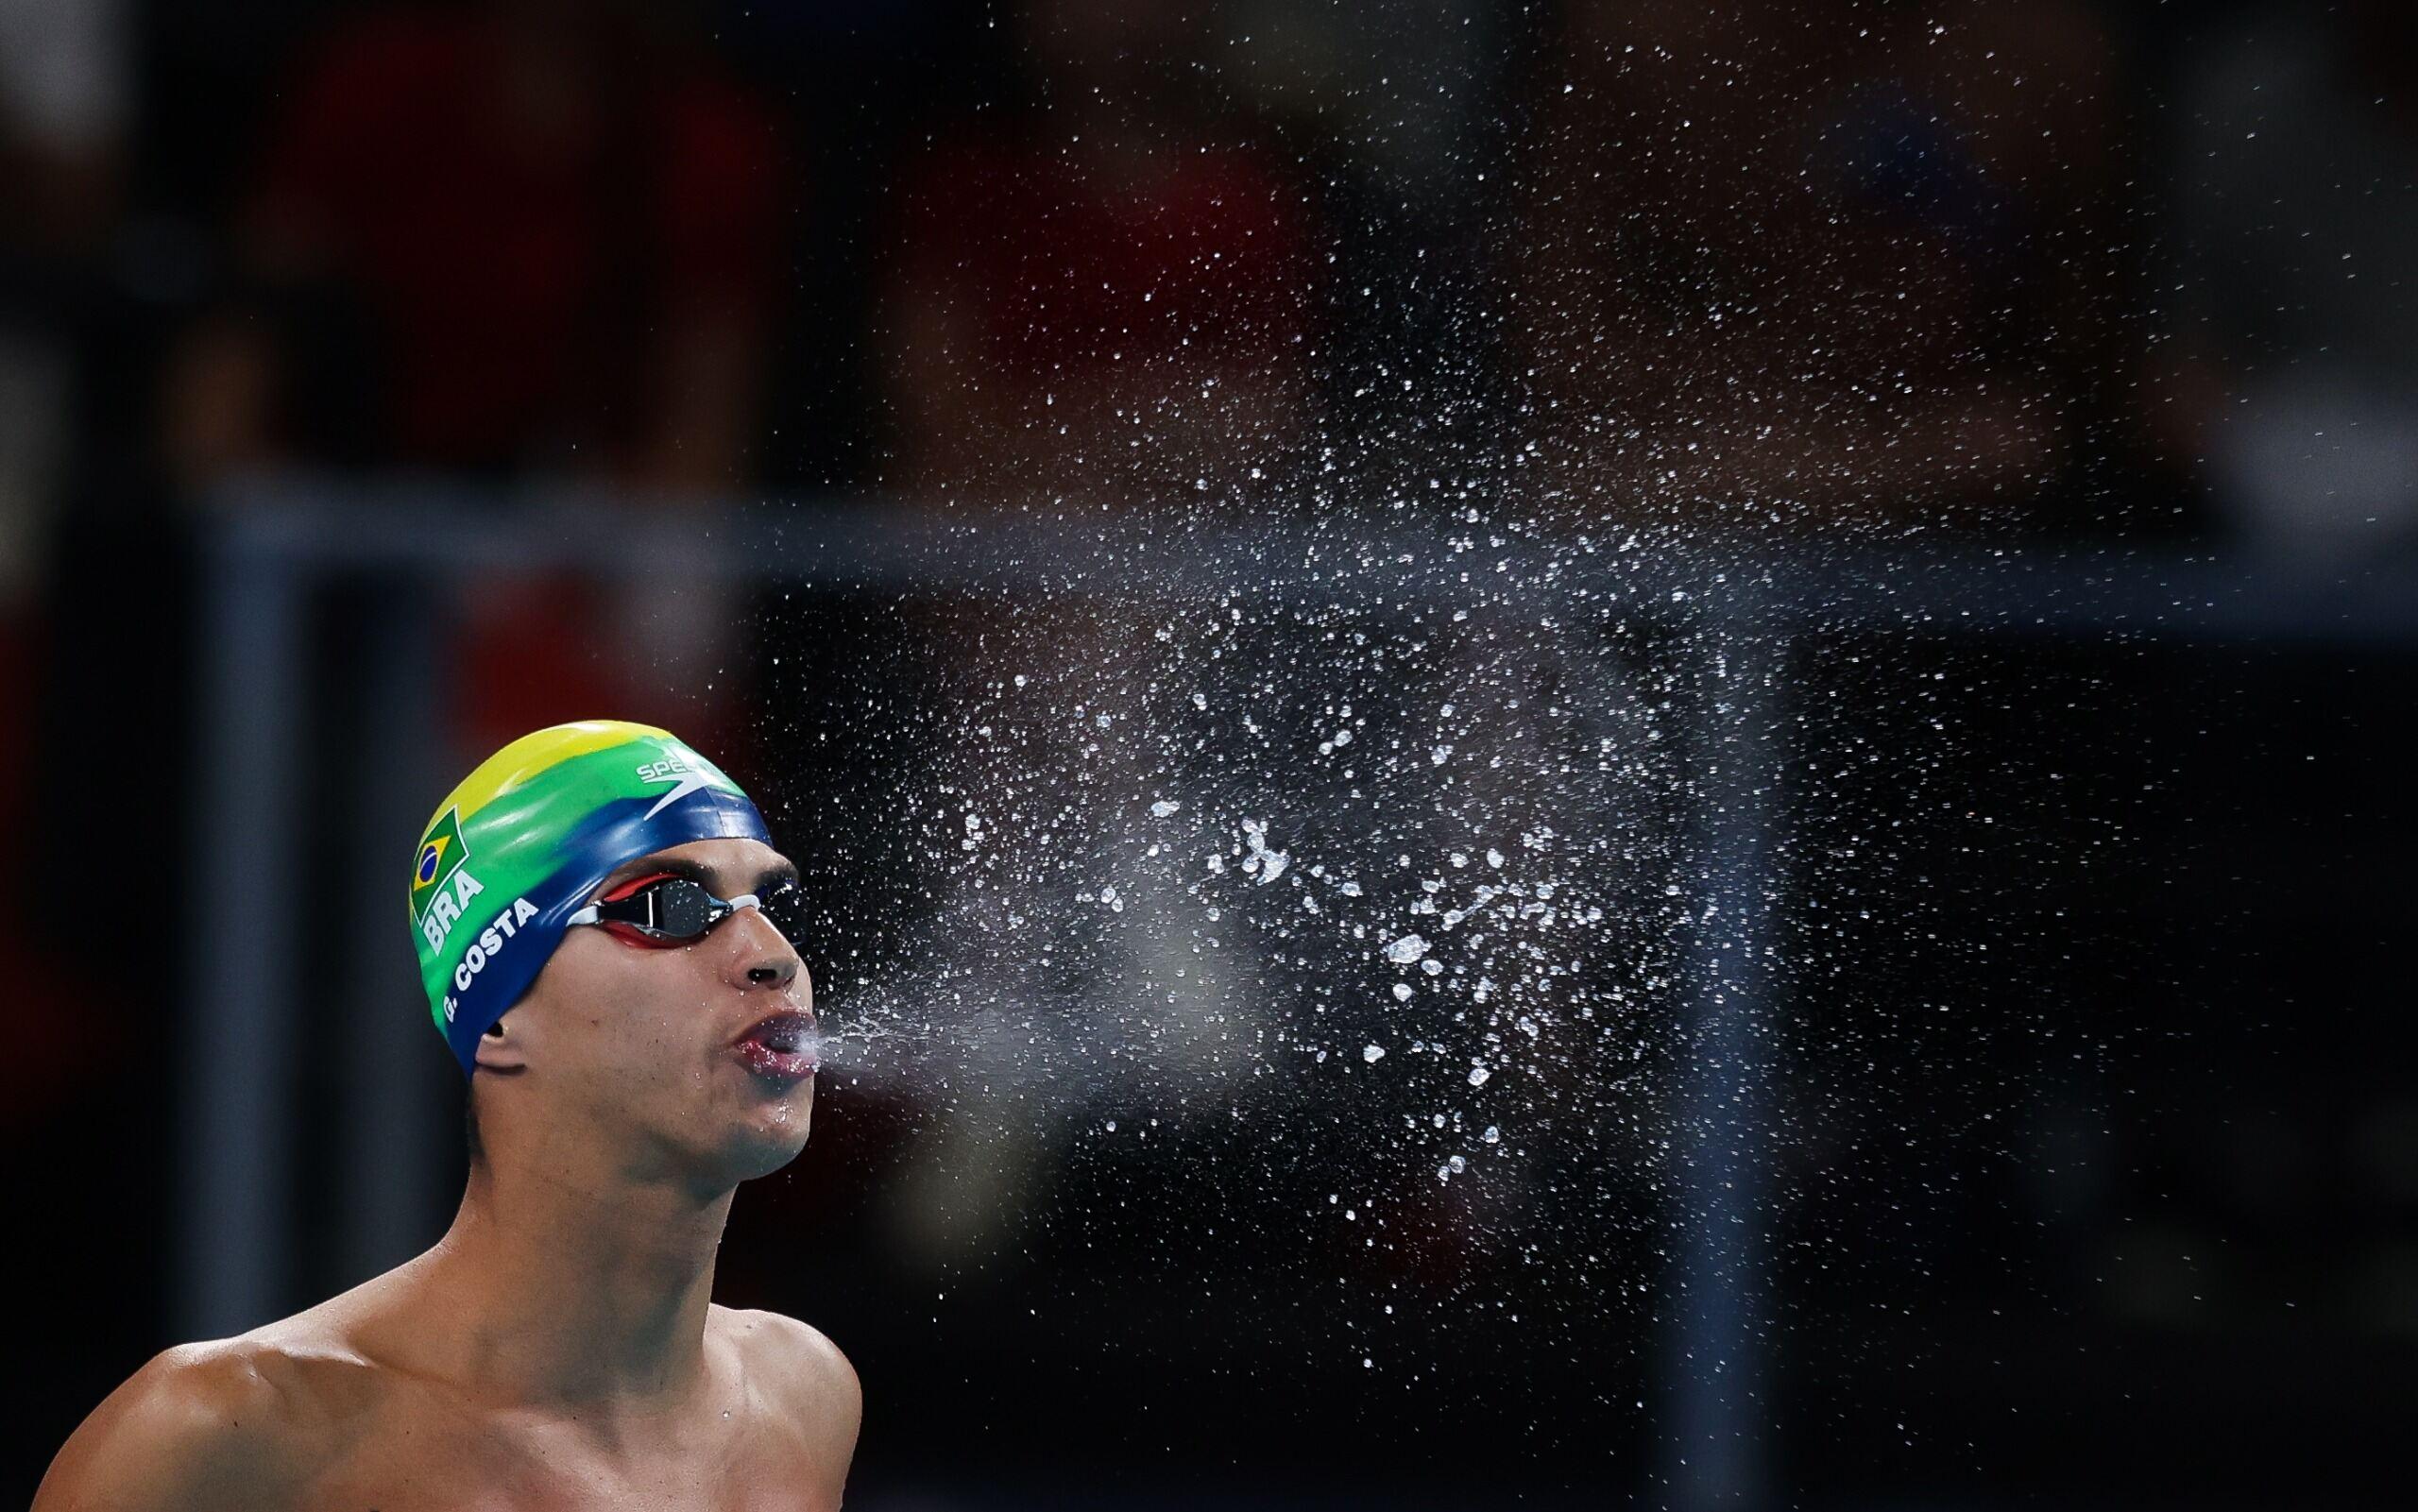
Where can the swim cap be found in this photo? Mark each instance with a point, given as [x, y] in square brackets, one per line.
[521, 842]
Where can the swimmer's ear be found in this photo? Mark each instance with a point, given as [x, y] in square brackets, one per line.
[498, 1050]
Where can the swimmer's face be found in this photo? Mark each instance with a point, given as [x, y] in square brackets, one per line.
[623, 1034]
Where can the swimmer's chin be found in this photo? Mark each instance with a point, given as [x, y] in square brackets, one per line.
[772, 1137]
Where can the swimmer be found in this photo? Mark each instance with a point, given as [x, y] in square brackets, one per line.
[606, 936]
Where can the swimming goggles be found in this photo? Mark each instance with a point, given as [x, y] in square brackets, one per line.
[680, 909]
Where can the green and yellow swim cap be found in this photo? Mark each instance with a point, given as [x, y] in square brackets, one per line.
[527, 835]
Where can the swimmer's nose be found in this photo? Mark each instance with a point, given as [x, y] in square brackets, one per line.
[774, 970]
[766, 959]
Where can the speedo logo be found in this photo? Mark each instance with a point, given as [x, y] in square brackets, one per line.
[683, 777]
[489, 944]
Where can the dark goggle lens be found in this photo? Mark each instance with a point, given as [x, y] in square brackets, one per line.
[784, 905]
[683, 909]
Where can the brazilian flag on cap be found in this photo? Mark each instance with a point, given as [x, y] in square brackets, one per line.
[517, 847]
[440, 855]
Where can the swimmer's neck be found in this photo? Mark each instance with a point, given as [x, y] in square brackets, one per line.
[561, 1290]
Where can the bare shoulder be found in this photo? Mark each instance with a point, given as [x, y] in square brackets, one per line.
[796, 1366]
[783, 1352]
[200, 1425]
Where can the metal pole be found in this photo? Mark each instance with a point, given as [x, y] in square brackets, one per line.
[398, 1079]
[236, 1198]
[1720, 1412]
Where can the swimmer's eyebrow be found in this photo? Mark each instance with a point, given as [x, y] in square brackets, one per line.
[703, 877]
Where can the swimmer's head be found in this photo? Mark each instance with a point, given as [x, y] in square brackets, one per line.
[627, 1026]
[514, 851]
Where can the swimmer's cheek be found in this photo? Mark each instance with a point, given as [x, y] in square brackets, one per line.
[198, 1427]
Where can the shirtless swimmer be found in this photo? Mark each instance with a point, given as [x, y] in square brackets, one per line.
[604, 931]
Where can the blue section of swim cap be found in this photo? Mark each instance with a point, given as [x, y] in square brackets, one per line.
[620, 831]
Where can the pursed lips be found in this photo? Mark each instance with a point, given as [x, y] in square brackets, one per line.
[792, 1021]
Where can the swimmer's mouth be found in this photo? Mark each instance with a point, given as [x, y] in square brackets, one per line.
[781, 1047]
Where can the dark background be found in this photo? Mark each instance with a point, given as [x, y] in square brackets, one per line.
[2093, 1154]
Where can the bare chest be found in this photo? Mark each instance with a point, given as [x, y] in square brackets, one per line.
[407, 1464]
